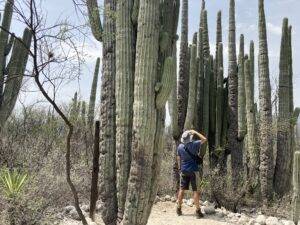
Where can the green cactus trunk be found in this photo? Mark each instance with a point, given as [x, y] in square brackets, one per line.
[92, 103]
[252, 147]
[265, 113]
[296, 188]
[125, 35]
[107, 175]
[200, 86]
[283, 165]
[242, 129]
[219, 100]
[190, 116]
[233, 145]
[183, 82]
[15, 72]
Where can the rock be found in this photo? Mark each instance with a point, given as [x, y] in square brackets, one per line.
[190, 202]
[220, 214]
[251, 222]
[92, 223]
[209, 210]
[162, 199]
[173, 199]
[157, 199]
[287, 222]
[207, 203]
[231, 215]
[68, 209]
[185, 201]
[238, 215]
[168, 198]
[59, 216]
[85, 208]
[243, 219]
[261, 219]
[74, 215]
[272, 221]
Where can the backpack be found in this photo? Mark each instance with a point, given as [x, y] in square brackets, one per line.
[198, 160]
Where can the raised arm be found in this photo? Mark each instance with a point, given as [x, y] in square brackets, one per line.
[202, 137]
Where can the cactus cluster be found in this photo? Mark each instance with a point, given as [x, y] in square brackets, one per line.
[12, 69]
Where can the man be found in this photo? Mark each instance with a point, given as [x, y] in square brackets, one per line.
[188, 163]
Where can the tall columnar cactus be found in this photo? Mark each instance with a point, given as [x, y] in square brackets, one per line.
[12, 72]
[296, 188]
[283, 165]
[106, 35]
[183, 82]
[252, 147]
[191, 110]
[125, 36]
[200, 86]
[92, 103]
[233, 145]
[242, 130]
[218, 40]
[265, 112]
[219, 100]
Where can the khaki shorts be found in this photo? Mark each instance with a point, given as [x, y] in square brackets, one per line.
[190, 178]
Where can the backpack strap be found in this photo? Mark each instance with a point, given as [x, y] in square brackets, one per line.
[194, 157]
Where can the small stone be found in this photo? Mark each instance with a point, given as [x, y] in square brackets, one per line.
[68, 209]
[168, 198]
[272, 221]
[231, 215]
[261, 219]
[162, 199]
[85, 208]
[185, 201]
[74, 215]
[243, 220]
[287, 222]
[251, 222]
[207, 203]
[238, 215]
[92, 223]
[190, 203]
[173, 199]
[209, 210]
[157, 199]
[60, 216]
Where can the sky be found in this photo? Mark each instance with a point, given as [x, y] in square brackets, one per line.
[246, 23]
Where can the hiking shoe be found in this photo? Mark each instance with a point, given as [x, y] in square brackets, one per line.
[199, 214]
[178, 211]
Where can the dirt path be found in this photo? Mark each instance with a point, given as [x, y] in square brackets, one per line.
[163, 213]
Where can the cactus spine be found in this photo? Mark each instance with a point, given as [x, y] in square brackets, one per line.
[296, 188]
[265, 113]
[92, 103]
[242, 130]
[233, 144]
[282, 175]
[183, 83]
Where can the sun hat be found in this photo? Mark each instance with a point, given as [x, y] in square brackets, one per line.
[186, 137]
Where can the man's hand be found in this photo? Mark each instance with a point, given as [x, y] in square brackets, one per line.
[202, 137]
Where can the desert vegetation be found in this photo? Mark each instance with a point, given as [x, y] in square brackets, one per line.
[114, 157]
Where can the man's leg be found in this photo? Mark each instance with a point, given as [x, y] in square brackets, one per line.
[197, 199]
[196, 190]
[180, 197]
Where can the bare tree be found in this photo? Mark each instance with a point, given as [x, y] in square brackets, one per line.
[54, 57]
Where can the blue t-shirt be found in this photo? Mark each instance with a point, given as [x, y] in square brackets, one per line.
[187, 163]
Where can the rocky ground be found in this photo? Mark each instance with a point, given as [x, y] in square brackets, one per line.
[163, 213]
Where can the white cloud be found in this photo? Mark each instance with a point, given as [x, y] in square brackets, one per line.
[274, 29]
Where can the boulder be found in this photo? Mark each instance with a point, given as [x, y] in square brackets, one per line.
[261, 219]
